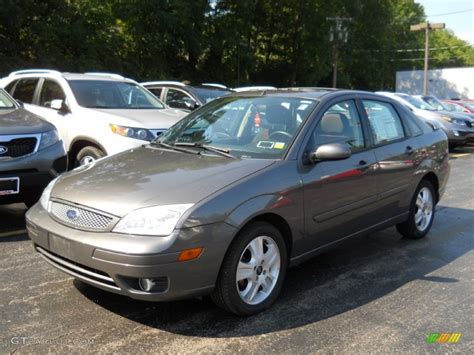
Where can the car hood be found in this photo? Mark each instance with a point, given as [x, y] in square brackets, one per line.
[20, 121]
[149, 176]
[152, 119]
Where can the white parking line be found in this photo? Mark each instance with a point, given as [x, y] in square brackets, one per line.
[12, 233]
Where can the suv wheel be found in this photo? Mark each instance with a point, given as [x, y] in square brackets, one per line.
[253, 270]
[88, 155]
[422, 212]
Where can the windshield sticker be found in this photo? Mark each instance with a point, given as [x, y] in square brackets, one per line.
[279, 145]
[265, 145]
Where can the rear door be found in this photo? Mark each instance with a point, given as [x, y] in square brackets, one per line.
[339, 196]
[396, 151]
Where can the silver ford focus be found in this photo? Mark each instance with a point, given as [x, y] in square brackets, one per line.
[242, 188]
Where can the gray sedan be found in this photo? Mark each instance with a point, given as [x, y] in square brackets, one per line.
[239, 190]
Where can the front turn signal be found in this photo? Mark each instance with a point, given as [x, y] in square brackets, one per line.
[190, 254]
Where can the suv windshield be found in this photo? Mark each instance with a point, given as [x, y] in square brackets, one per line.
[113, 95]
[435, 103]
[246, 127]
[5, 101]
[208, 94]
[418, 103]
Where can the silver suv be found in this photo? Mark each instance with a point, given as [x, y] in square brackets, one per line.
[31, 153]
[96, 114]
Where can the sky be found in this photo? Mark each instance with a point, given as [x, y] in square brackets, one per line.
[458, 15]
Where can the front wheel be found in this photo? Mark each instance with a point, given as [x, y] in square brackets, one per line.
[422, 211]
[88, 155]
[253, 270]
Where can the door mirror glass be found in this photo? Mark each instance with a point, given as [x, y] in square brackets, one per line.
[332, 151]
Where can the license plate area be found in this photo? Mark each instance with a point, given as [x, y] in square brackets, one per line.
[9, 186]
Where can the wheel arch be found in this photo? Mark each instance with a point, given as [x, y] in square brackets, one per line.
[81, 142]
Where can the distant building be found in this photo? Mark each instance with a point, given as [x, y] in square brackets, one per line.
[452, 83]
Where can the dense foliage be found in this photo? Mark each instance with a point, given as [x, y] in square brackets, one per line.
[236, 42]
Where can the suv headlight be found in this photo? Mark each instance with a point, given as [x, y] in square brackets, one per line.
[157, 220]
[48, 138]
[132, 132]
[44, 200]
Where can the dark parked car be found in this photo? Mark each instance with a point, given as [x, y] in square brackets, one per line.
[31, 153]
[185, 97]
[239, 190]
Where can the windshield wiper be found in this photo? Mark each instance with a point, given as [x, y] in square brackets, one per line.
[221, 151]
[173, 147]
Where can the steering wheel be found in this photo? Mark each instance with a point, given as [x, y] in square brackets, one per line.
[286, 136]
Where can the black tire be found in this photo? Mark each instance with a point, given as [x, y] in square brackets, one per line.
[225, 294]
[89, 151]
[409, 228]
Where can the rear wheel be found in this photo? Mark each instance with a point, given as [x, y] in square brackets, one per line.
[88, 155]
[253, 270]
[422, 211]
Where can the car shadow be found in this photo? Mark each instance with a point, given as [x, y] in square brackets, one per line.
[12, 223]
[347, 277]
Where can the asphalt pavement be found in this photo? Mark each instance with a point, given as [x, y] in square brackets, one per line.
[376, 294]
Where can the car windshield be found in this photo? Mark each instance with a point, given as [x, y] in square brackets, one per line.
[246, 127]
[436, 104]
[208, 94]
[418, 103]
[5, 101]
[108, 94]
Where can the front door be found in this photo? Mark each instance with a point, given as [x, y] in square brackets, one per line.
[339, 195]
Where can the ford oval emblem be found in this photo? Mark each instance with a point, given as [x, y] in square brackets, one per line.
[71, 214]
[3, 149]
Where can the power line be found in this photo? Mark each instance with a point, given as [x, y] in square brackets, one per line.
[412, 50]
[451, 13]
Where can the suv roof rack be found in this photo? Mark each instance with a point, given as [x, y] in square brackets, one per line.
[163, 83]
[35, 71]
[220, 86]
[108, 75]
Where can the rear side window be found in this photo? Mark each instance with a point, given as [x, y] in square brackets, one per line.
[25, 90]
[413, 124]
[51, 91]
[384, 121]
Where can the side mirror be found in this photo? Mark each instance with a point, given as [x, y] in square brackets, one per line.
[20, 103]
[60, 106]
[333, 151]
[190, 104]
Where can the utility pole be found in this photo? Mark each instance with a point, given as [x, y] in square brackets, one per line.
[337, 34]
[426, 26]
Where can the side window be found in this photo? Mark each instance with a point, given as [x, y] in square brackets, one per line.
[411, 121]
[9, 87]
[178, 99]
[25, 90]
[156, 91]
[51, 91]
[384, 121]
[340, 124]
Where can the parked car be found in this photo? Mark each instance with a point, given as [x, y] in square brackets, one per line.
[225, 200]
[185, 97]
[459, 106]
[96, 114]
[31, 153]
[440, 105]
[458, 127]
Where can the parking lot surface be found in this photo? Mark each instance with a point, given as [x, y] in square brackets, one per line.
[375, 294]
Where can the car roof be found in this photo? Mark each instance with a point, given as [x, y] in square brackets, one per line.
[312, 93]
[47, 73]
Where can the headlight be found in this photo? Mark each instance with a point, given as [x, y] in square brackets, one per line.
[131, 132]
[158, 220]
[453, 120]
[48, 138]
[44, 200]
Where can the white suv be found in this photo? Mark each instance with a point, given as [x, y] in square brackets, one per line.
[96, 114]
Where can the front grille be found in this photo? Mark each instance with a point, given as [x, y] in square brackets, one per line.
[15, 146]
[78, 270]
[156, 132]
[80, 217]
[470, 124]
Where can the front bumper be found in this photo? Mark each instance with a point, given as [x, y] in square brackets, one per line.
[115, 262]
[35, 171]
[460, 135]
